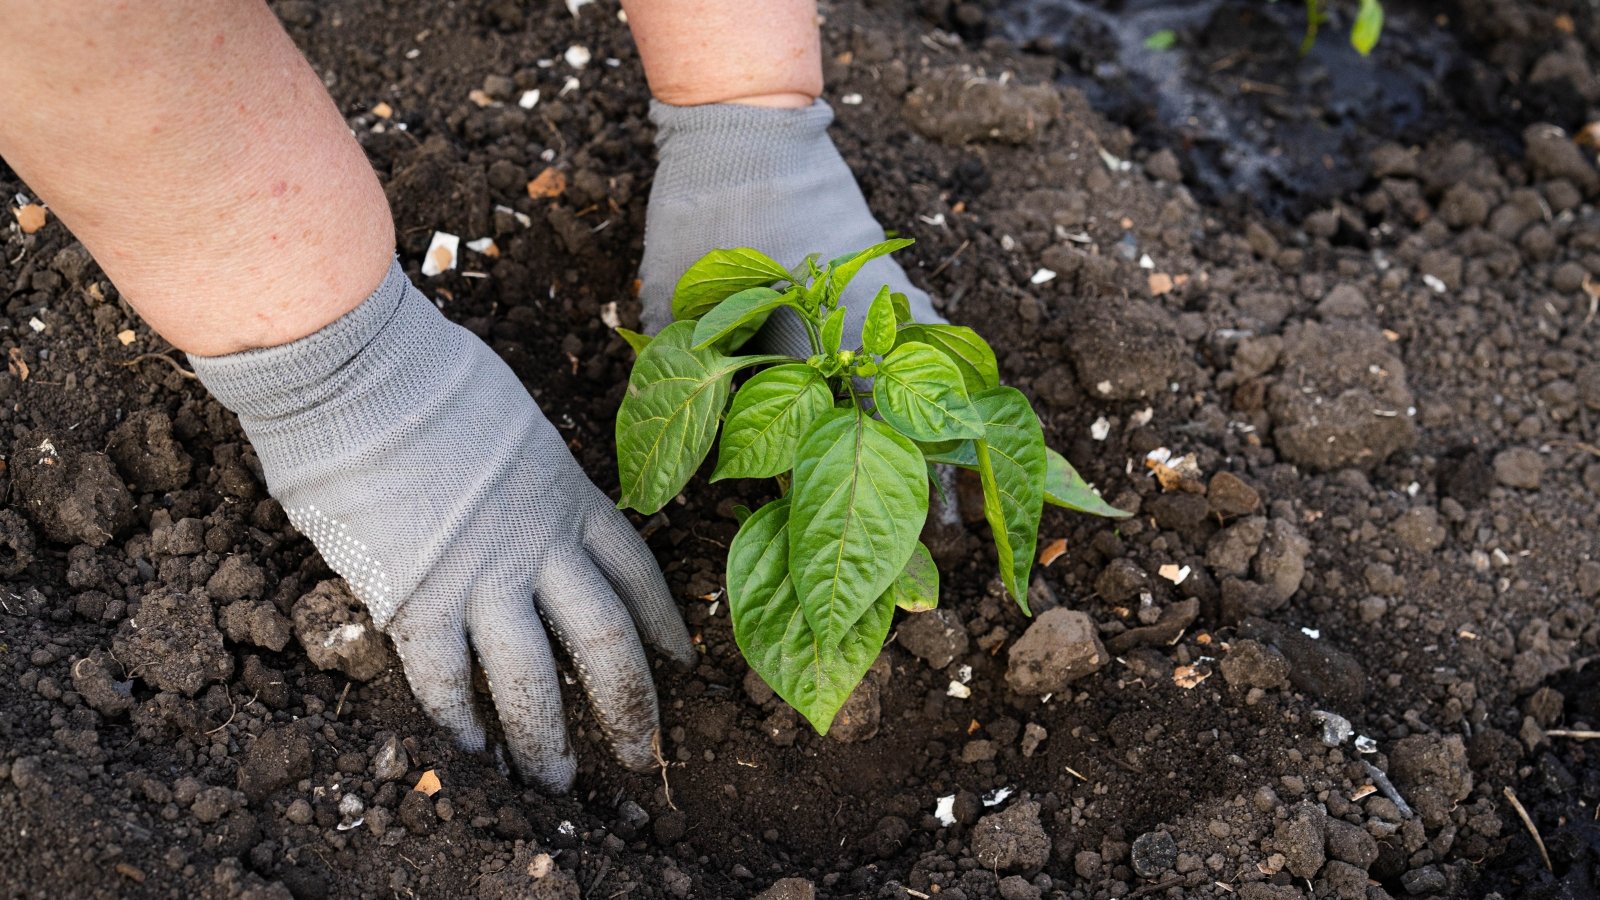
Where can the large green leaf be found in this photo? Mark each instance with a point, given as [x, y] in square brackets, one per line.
[845, 268]
[970, 353]
[916, 588]
[669, 415]
[1064, 487]
[877, 333]
[769, 416]
[749, 307]
[812, 675]
[860, 498]
[920, 392]
[1013, 467]
[719, 275]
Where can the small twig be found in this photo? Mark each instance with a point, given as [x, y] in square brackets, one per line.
[233, 710]
[1388, 789]
[661, 760]
[339, 707]
[166, 359]
[600, 876]
[1575, 735]
[1523, 814]
[949, 259]
[1174, 881]
[1260, 87]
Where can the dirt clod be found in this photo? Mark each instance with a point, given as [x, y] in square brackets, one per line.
[1434, 761]
[937, 636]
[857, 720]
[957, 106]
[278, 758]
[1252, 664]
[334, 629]
[1342, 399]
[1302, 839]
[789, 889]
[1127, 352]
[144, 449]
[16, 544]
[1519, 467]
[1013, 840]
[173, 642]
[92, 677]
[1153, 852]
[75, 497]
[1060, 647]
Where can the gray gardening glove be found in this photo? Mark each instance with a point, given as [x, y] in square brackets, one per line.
[769, 179]
[417, 463]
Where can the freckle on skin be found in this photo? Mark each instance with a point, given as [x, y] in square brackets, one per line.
[279, 188]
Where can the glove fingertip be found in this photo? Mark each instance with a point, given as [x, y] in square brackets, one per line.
[641, 754]
[552, 774]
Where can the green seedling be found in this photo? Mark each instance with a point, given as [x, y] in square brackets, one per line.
[1364, 33]
[814, 577]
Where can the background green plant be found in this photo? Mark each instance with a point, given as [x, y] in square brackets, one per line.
[1364, 33]
[852, 435]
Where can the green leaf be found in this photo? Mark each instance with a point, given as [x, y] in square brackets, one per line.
[635, 340]
[860, 497]
[1368, 27]
[719, 275]
[1064, 487]
[877, 333]
[741, 513]
[963, 453]
[812, 675]
[902, 308]
[920, 392]
[916, 588]
[1012, 464]
[833, 331]
[748, 307]
[669, 415]
[805, 270]
[770, 414]
[971, 353]
[844, 268]
[1161, 40]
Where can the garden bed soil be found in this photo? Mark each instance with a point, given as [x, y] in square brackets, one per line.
[1352, 616]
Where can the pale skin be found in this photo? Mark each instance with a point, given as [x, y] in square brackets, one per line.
[198, 157]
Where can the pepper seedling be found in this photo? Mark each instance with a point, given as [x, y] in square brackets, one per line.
[814, 577]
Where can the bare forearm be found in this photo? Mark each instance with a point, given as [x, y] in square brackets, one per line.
[723, 51]
[197, 155]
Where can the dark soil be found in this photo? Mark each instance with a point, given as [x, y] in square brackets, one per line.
[1387, 410]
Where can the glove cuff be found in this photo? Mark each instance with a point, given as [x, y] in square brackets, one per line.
[274, 382]
[725, 145]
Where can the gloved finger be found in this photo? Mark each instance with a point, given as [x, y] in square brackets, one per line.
[598, 634]
[626, 561]
[431, 641]
[515, 654]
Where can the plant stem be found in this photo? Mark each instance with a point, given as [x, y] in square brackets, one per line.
[812, 334]
[1314, 17]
